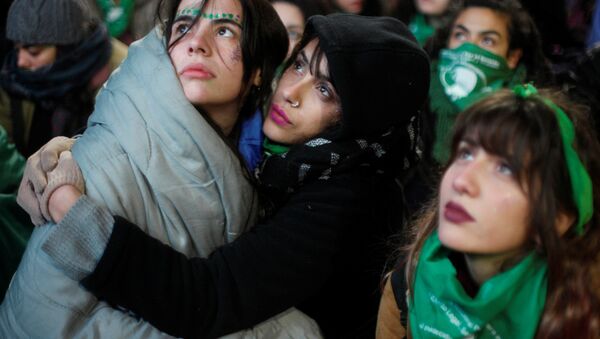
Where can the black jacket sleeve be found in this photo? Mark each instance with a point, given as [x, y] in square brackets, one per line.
[274, 266]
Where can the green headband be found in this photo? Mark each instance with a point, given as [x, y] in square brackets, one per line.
[581, 183]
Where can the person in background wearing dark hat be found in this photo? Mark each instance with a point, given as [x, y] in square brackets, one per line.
[62, 56]
[337, 138]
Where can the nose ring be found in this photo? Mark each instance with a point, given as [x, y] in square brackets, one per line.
[295, 104]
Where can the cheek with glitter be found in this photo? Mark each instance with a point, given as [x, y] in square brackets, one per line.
[236, 55]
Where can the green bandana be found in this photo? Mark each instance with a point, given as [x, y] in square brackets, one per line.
[469, 71]
[420, 28]
[116, 17]
[272, 148]
[508, 305]
[581, 184]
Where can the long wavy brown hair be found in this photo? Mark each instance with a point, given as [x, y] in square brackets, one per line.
[525, 132]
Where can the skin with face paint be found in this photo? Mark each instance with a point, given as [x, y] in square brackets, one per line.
[32, 57]
[208, 58]
[487, 29]
[483, 209]
[292, 19]
[350, 6]
[432, 7]
[304, 104]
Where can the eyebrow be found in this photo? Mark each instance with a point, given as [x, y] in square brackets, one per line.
[468, 140]
[190, 18]
[488, 32]
[227, 21]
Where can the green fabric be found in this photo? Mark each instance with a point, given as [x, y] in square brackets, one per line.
[116, 17]
[581, 184]
[468, 71]
[15, 225]
[272, 148]
[479, 72]
[508, 305]
[420, 28]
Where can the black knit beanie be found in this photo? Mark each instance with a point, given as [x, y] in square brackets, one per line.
[52, 22]
[377, 67]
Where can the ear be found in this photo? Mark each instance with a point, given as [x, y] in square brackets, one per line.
[257, 80]
[513, 57]
[563, 223]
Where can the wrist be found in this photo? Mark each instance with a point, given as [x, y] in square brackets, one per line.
[61, 201]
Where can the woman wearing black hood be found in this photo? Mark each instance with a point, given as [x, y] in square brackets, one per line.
[334, 197]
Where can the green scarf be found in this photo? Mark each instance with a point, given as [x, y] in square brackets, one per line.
[508, 305]
[116, 17]
[420, 28]
[273, 148]
[479, 73]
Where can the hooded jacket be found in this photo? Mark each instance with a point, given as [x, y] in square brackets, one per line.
[146, 155]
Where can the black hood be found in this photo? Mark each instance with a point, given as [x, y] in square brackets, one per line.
[379, 70]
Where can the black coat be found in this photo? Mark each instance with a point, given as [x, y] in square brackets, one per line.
[323, 252]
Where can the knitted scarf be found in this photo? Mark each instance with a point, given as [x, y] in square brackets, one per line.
[325, 156]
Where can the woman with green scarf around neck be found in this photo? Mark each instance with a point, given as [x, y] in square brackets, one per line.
[509, 248]
[488, 45]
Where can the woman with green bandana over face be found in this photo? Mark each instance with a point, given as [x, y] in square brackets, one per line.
[509, 246]
[163, 133]
[488, 45]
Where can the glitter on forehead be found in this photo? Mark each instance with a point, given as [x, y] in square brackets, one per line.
[211, 16]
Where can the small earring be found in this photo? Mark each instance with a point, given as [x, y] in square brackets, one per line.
[295, 104]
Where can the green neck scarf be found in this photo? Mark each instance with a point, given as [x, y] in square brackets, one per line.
[272, 148]
[508, 305]
[458, 79]
[116, 17]
[420, 28]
